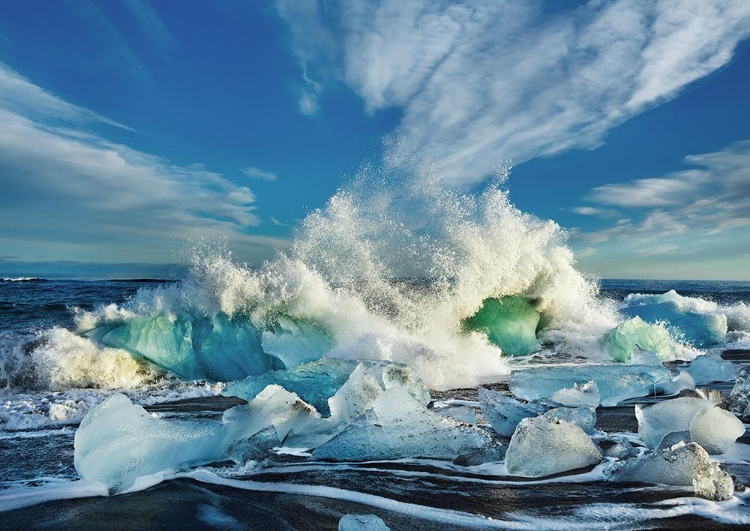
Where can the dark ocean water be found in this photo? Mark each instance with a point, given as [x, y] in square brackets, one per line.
[42, 454]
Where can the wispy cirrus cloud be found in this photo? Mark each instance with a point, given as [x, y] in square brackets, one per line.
[261, 175]
[483, 80]
[702, 208]
[83, 196]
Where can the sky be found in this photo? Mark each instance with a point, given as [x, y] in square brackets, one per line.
[131, 130]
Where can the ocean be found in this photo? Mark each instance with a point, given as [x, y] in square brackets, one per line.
[365, 372]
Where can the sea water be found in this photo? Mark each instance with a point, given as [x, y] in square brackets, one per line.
[370, 282]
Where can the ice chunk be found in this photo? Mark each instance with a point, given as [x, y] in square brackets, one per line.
[621, 340]
[504, 413]
[274, 406]
[617, 449]
[399, 426]
[739, 398]
[685, 465]
[314, 382]
[583, 417]
[671, 416]
[711, 368]
[464, 414]
[615, 382]
[580, 395]
[358, 394]
[509, 322]
[362, 522]
[215, 348]
[118, 442]
[296, 341]
[542, 447]
[715, 429]
[693, 320]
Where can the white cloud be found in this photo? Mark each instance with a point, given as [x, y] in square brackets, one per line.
[261, 175]
[21, 96]
[598, 212]
[88, 198]
[483, 80]
[701, 207]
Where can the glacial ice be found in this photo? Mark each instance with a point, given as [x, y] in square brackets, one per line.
[503, 412]
[615, 382]
[688, 419]
[710, 368]
[683, 464]
[716, 429]
[362, 522]
[671, 416]
[621, 340]
[739, 398]
[296, 341]
[118, 442]
[694, 321]
[399, 426]
[542, 447]
[509, 322]
[314, 382]
[583, 417]
[580, 395]
[216, 348]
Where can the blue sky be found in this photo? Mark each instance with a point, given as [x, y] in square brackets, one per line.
[130, 128]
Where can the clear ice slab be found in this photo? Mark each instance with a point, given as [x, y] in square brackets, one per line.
[710, 368]
[399, 426]
[118, 442]
[503, 412]
[614, 382]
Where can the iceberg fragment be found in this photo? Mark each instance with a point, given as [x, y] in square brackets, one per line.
[273, 407]
[118, 442]
[215, 348]
[716, 429]
[711, 368]
[622, 339]
[583, 417]
[314, 382]
[296, 341]
[739, 398]
[580, 395]
[362, 522]
[509, 322]
[503, 412]
[542, 447]
[399, 426]
[694, 321]
[671, 416]
[615, 382]
[684, 465]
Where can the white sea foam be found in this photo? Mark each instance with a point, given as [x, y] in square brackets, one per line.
[342, 272]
